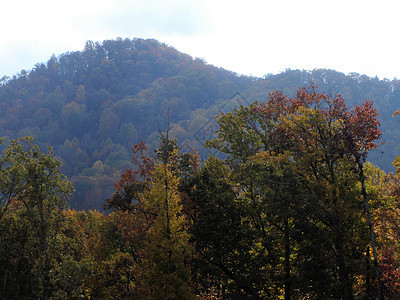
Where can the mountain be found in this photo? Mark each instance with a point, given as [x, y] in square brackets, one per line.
[93, 105]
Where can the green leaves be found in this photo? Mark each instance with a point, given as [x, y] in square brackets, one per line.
[295, 166]
[25, 170]
[33, 181]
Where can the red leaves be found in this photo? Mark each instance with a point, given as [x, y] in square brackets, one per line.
[132, 182]
[390, 274]
[365, 125]
[145, 164]
[350, 132]
[276, 106]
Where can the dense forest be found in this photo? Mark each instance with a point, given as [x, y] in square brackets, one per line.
[214, 185]
[292, 211]
[93, 105]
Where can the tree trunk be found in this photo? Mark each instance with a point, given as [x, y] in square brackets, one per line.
[371, 229]
[5, 281]
[288, 284]
[345, 281]
[368, 276]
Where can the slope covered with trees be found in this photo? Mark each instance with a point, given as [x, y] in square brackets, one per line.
[292, 210]
[93, 105]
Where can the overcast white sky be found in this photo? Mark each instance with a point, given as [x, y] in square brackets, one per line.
[253, 37]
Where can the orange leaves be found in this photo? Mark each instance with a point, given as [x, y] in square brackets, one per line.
[390, 270]
[144, 163]
[132, 227]
[365, 125]
[312, 120]
[276, 106]
[132, 182]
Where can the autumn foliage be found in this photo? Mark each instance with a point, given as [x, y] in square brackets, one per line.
[289, 209]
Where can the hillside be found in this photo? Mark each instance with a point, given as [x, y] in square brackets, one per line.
[93, 105]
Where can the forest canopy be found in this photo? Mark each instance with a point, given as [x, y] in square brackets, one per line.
[93, 105]
[290, 209]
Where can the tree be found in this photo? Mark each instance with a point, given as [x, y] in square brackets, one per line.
[384, 192]
[230, 260]
[148, 195]
[18, 255]
[325, 144]
[132, 182]
[127, 134]
[44, 192]
[10, 179]
[167, 251]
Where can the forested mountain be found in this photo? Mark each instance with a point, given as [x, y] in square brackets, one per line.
[287, 207]
[93, 105]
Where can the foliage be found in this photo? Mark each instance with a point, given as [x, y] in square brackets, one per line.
[297, 165]
[167, 250]
[92, 105]
[290, 210]
[149, 196]
[33, 179]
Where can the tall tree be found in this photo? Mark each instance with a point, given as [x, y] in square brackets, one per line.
[11, 176]
[44, 193]
[167, 251]
[326, 145]
[149, 194]
[232, 259]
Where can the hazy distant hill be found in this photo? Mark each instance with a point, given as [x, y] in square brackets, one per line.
[93, 105]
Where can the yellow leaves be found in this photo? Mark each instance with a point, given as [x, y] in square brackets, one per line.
[396, 163]
[167, 242]
[272, 158]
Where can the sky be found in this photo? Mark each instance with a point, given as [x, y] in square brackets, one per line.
[253, 37]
